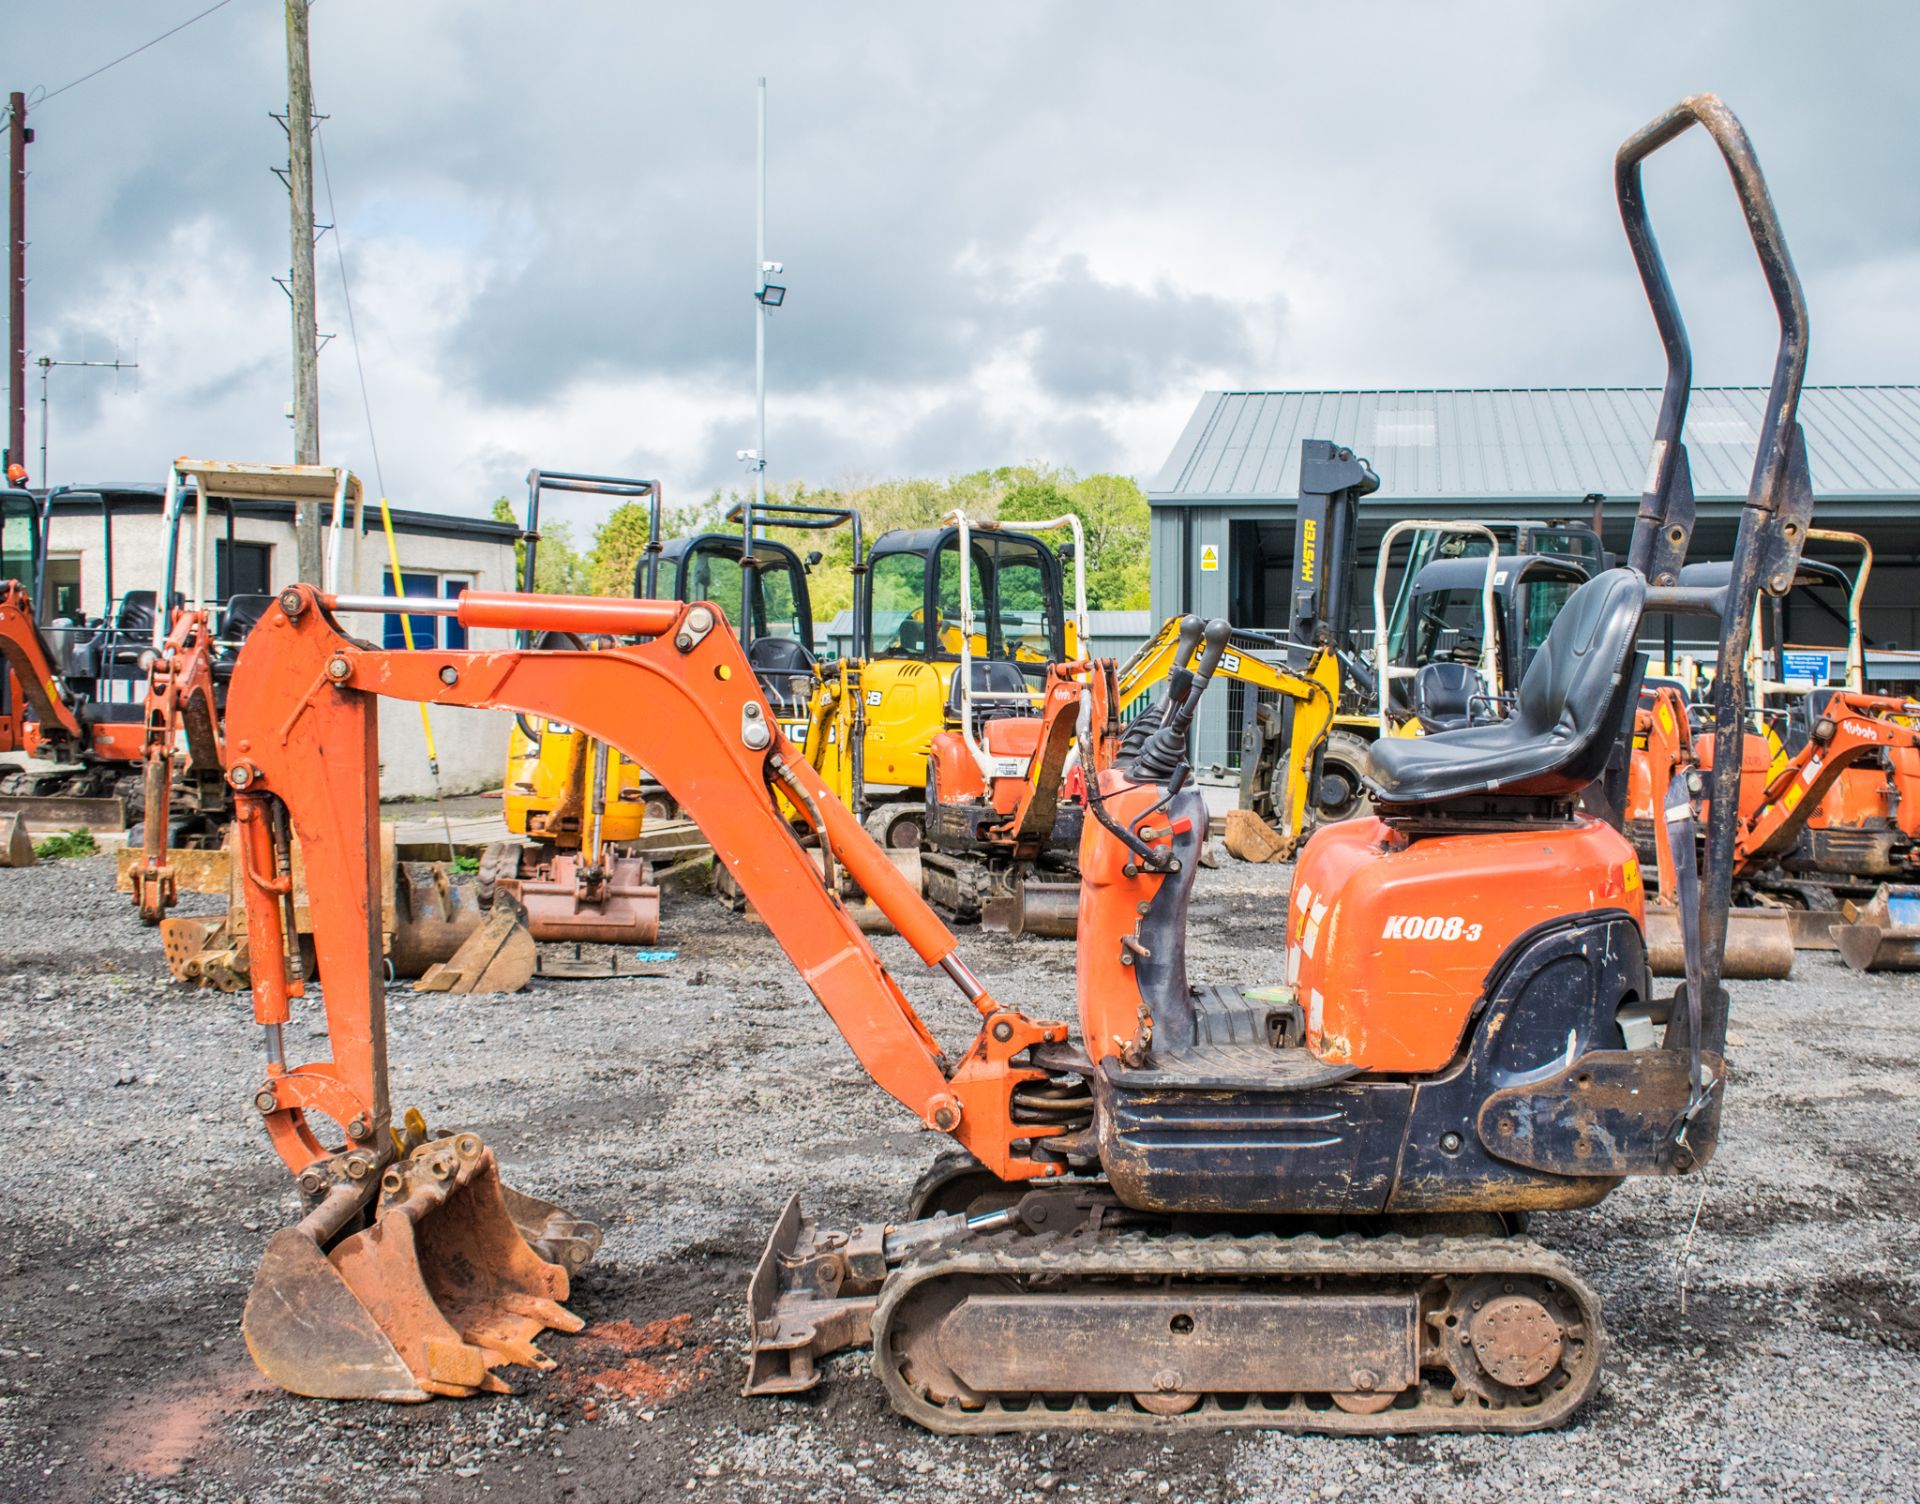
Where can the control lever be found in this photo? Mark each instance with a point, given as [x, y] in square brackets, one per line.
[1166, 749]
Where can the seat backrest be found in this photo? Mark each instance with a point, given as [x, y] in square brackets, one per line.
[992, 676]
[136, 612]
[1577, 685]
[242, 614]
[1443, 692]
[779, 655]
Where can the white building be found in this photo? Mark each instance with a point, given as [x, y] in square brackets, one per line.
[108, 540]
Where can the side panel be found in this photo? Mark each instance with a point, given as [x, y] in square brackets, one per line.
[1389, 943]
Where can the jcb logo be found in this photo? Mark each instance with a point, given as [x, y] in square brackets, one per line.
[1309, 535]
[1429, 927]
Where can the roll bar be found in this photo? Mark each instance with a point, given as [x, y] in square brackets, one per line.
[795, 514]
[1385, 670]
[1772, 526]
[968, 694]
[539, 480]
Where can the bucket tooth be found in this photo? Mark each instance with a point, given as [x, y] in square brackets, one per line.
[439, 1292]
[16, 845]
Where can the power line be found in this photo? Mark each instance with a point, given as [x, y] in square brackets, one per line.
[217, 5]
[346, 292]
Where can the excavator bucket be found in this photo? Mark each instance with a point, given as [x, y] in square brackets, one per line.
[206, 951]
[1882, 934]
[1034, 907]
[622, 908]
[1249, 838]
[439, 1291]
[16, 846]
[1759, 943]
[499, 956]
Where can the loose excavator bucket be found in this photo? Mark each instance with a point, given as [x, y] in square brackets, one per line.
[1882, 934]
[16, 846]
[444, 1286]
[617, 906]
[1759, 943]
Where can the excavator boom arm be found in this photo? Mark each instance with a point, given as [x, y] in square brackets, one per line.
[685, 705]
[1860, 725]
[24, 651]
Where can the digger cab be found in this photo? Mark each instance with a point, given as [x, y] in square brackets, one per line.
[1444, 642]
[770, 605]
[20, 539]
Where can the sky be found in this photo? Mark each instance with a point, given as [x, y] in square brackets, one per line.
[1011, 232]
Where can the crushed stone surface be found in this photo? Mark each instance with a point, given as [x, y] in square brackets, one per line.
[1764, 1321]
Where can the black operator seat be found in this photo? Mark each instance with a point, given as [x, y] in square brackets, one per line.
[1443, 693]
[779, 655]
[992, 676]
[1569, 712]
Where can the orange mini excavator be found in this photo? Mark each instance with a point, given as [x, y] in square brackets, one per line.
[1209, 1205]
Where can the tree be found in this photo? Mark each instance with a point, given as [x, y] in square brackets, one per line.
[558, 568]
[618, 544]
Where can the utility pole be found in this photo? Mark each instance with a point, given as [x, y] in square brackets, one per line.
[17, 138]
[306, 335]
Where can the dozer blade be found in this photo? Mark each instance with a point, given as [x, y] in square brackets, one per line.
[16, 846]
[1759, 943]
[497, 957]
[1884, 933]
[796, 1311]
[439, 1292]
[103, 816]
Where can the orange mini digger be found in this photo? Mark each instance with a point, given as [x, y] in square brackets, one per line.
[1296, 1205]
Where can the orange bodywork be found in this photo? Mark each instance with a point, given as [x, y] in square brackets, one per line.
[1856, 726]
[1390, 941]
[24, 654]
[301, 729]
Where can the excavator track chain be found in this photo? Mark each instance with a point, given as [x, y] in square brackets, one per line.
[1130, 1331]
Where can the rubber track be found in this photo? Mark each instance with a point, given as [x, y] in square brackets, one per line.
[1241, 1258]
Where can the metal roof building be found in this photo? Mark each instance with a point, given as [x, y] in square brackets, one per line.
[1223, 504]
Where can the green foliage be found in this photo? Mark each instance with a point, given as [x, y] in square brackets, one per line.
[69, 843]
[1112, 510]
[465, 864]
[558, 567]
[617, 545]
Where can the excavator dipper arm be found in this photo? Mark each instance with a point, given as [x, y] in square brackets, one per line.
[301, 729]
[24, 651]
[179, 698]
[1851, 727]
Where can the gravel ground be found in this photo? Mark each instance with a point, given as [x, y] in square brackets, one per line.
[1772, 1354]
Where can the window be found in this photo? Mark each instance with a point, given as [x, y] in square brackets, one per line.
[63, 588]
[17, 540]
[897, 590]
[1448, 627]
[1543, 602]
[428, 631]
[243, 569]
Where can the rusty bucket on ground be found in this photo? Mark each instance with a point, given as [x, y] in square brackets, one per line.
[1883, 934]
[1759, 943]
[421, 1281]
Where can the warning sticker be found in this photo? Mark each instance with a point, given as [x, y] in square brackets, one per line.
[1209, 558]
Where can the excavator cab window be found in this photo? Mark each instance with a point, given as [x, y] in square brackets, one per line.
[18, 543]
[710, 570]
[1014, 581]
[1447, 628]
[1540, 603]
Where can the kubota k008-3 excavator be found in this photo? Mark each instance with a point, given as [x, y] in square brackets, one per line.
[1152, 1229]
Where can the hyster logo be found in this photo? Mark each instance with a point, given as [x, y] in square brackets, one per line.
[1429, 927]
[1309, 531]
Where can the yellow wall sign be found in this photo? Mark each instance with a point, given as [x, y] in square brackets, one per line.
[1209, 559]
